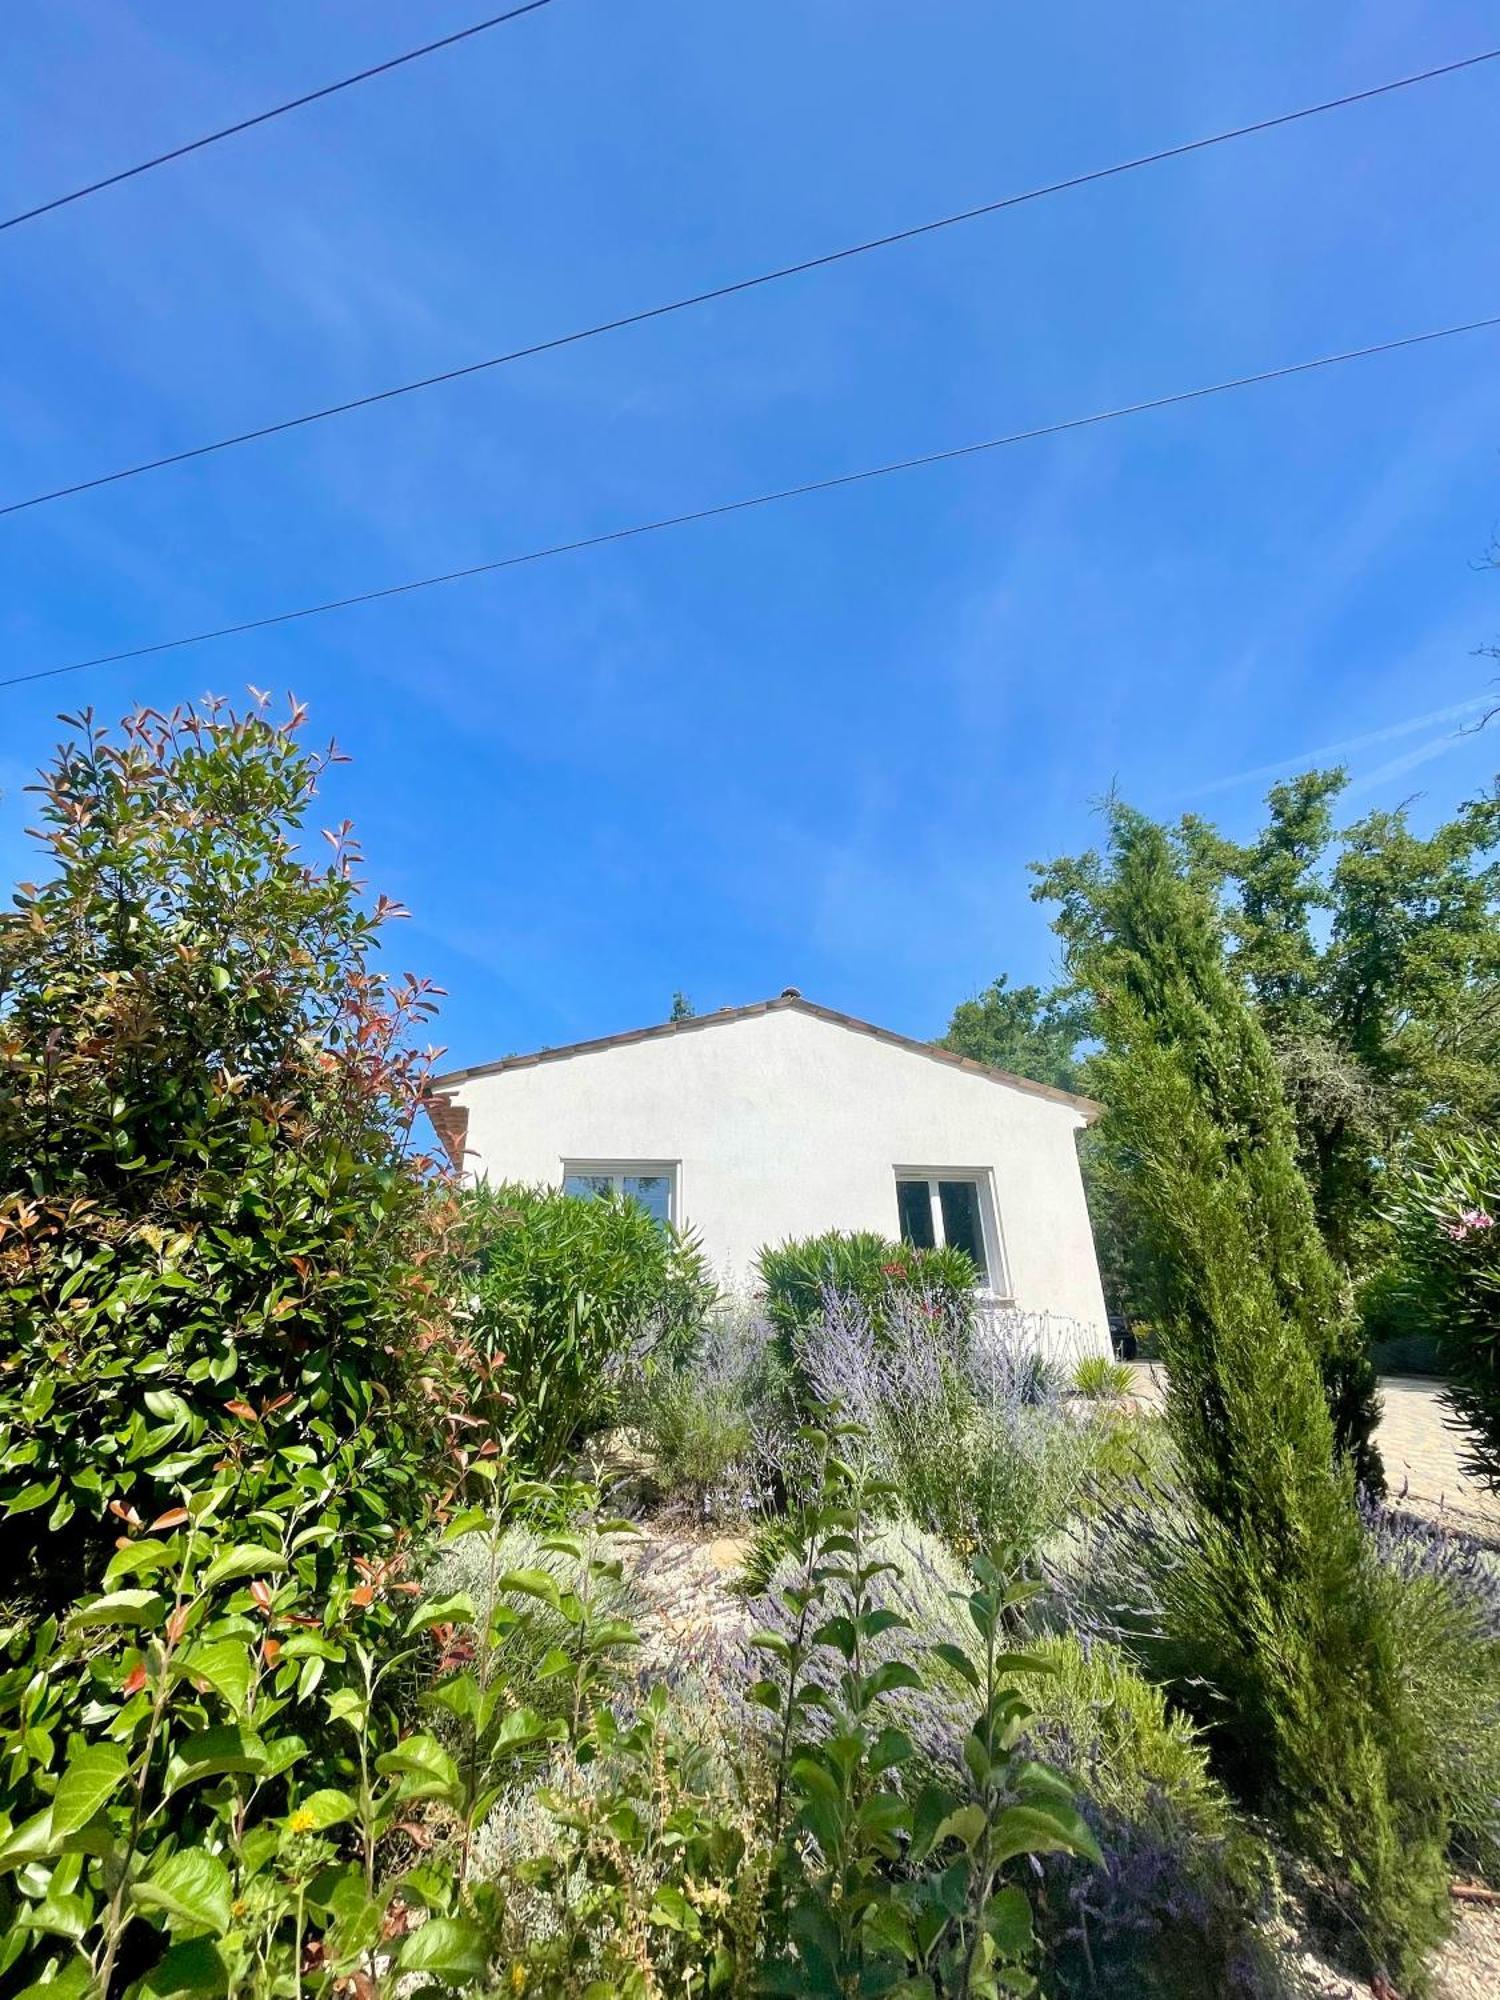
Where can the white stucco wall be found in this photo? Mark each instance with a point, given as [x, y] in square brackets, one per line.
[784, 1124]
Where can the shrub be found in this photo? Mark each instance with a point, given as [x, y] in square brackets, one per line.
[1446, 1613]
[574, 1292]
[1099, 1377]
[702, 1420]
[1168, 1905]
[971, 1429]
[1448, 1234]
[213, 1233]
[1274, 1589]
[230, 1374]
[870, 1269]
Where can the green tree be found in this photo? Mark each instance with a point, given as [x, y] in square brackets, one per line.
[1373, 958]
[682, 1008]
[1251, 1321]
[1163, 913]
[1021, 1029]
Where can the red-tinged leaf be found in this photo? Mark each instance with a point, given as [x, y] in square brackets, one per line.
[173, 1518]
[177, 1623]
[363, 1596]
[270, 1651]
[124, 1513]
[417, 1835]
[279, 1403]
[134, 1681]
[238, 1409]
[261, 1595]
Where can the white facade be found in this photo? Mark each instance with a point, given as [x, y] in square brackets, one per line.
[783, 1120]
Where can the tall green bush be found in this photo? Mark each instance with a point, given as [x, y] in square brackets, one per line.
[212, 1225]
[859, 1265]
[574, 1292]
[1284, 1593]
[229, 1377]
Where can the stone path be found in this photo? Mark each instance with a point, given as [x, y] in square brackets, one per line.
[1421, 1452]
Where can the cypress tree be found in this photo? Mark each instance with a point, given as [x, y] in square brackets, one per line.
[1279, 1595]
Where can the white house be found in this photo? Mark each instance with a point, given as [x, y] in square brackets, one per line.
[785, 1119]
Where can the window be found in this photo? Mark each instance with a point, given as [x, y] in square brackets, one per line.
[952, 1208]
[648, 1182]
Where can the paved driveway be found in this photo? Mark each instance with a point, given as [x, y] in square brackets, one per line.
[1421, 1452]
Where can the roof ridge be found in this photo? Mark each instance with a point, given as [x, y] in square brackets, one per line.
[789, 1000]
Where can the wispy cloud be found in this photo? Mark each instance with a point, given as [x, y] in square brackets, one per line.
[1456, 713]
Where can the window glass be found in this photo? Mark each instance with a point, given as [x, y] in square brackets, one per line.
[962, 1229]
[588, 1184]
[652, 1191]
[914, 1206]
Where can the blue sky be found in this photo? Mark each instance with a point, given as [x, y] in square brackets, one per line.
[819, 744]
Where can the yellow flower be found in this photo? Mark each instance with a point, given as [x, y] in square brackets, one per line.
[302, 1821]
[518, 1977]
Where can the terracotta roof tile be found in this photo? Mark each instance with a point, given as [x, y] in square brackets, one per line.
[792, 1001]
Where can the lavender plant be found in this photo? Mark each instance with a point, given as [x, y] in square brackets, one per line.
[702, 1420]
[1445, 1590]
[971, 1426]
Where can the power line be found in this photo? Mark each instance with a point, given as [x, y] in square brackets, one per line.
[276, 111]
[772, 277]
[741, 506]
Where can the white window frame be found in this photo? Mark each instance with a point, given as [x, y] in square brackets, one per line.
[983, 1179]
[616, 1170]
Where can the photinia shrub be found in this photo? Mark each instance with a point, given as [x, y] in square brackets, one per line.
[215, 1237]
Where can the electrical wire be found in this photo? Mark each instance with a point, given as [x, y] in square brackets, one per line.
[276, 111]
[744, 505]
[725, 291]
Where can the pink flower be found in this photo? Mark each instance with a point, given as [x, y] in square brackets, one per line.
[1468, 1222]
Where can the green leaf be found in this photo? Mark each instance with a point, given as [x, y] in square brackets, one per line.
[118, 1607]
[1041, 1829]
[451, 1948]
[319, 1811]
[189, 1887]
[37, 1494]
[75, 1979]
[193, 1966]
[424, 1767]
[245, 1559]
[455, 1610]
[965, 1825]
[92, 1777]
[531, 1583]
[956, 1658]
[224, 1664]
[214, 1752]
[62, 1916]
[31, 1841]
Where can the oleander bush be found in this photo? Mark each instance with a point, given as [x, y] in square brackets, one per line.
[1447, 1219]
[876, 1274]
[577, 1294]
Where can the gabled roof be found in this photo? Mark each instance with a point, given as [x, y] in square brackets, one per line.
[791, 1001]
